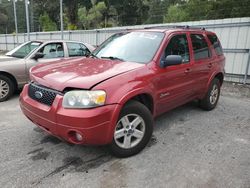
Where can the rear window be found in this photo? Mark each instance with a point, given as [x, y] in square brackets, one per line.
[216, 44]
[200, 47]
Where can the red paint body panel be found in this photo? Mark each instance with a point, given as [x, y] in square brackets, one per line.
[79, 72]
[93, 124]
[168, 87]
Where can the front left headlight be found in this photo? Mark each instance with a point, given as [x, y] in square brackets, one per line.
[84, 99]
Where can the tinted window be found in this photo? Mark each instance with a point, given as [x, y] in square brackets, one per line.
[76, 49]
[52, 50]
[178, 45]
[216, 44]
[132, 46]
[200, 47]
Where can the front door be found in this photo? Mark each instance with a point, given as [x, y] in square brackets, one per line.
[51, 51]
[174, 83]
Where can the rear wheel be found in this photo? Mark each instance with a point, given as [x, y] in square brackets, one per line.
[133, 130]
[210, 101]
[6, 88]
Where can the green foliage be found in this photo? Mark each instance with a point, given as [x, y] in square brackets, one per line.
[71, 27]
[156, 11]
[46, 23]
[207, 9]
[93, 14]
[96, 17]
[3, 18]
[131, 12]
[82, 16]
[176, 13]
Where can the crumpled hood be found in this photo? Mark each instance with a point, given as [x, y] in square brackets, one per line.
[79, 73]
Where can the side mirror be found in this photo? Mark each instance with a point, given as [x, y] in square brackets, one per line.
[171, 60]
[38, 55]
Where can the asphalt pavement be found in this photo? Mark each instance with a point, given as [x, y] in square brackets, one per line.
[189, 148]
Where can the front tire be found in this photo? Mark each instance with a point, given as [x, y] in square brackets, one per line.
[210, 101]
[133, 130]
[6, 88]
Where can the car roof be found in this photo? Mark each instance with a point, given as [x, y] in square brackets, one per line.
[89, 46]
[57, 40]
[165, 29]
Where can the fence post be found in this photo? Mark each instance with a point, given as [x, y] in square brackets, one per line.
[14, 41]
[246, 73]
[6, 48]
[96, 37]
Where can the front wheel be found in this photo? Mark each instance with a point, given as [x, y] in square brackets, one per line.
[133, 130]
[6, 88]
[210, 101]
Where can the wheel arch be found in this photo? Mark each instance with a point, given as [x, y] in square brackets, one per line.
[143, 97]
[220, 77]
[10, 76]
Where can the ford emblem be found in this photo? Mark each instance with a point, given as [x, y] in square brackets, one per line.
[38, 94]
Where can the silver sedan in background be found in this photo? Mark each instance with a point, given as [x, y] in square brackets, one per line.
[15, 65]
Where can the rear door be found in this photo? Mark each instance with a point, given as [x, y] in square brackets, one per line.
[203, 61]
[174, 83]
[217, 50]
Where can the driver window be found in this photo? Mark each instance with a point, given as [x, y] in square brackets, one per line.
[52, 50]
[178, 45]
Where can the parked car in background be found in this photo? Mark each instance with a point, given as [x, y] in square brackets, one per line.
[15, 65]
[113, 97]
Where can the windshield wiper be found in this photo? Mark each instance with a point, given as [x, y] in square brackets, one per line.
[112, 58]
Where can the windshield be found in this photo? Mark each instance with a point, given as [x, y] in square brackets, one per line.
[23, 50]
[133, 46]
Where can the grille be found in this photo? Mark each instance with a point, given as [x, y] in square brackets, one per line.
[42, 94]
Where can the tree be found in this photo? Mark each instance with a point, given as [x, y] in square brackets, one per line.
[176, 13]
[71, 7]
[46, 23]
[156, 11]
[51, 8]
[82, 16]
[97, 17]
[3, 21]
[130, 12]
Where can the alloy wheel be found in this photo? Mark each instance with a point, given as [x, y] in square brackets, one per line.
[214, 94]
[4, 89]
[129, 131]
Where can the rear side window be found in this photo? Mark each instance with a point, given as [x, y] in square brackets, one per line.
[76, 49]
[216, 44]
[200, 47]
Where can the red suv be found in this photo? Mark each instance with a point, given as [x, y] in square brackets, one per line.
[111, 97]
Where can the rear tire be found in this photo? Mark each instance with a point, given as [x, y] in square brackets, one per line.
[210, 101]
[133, 130]
[7, 88]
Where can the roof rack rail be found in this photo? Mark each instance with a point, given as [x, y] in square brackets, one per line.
[176, 26]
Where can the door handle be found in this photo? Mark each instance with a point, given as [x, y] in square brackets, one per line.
[188, 70]
[210, 65]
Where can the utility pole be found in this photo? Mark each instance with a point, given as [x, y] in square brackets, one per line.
[27, 18]
[14, 6]
[61, 17]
